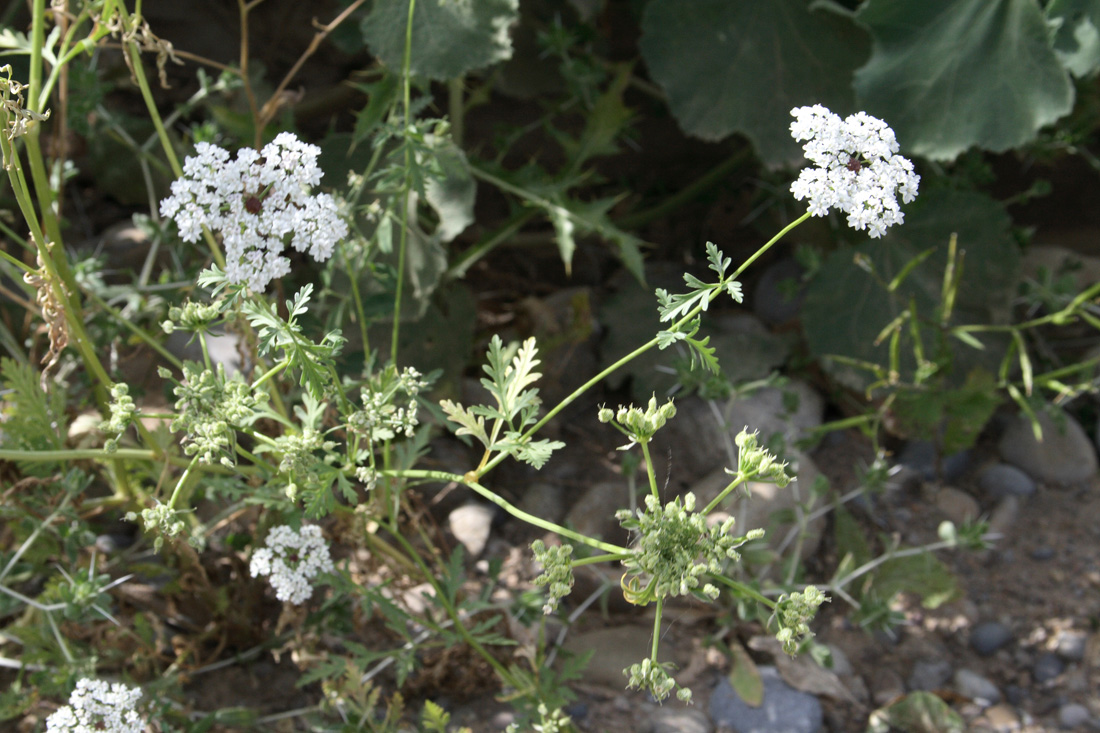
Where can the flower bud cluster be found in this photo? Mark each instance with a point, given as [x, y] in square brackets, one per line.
[652, 676]
[257, 202]
[558, 572]
[292, 560]
[637, 424]
[123, 410]
[211, 406]
[753, 461]
[676, 548]
[160, 520]
[381, 417]
[794, 613]
[192, 316]
[858, 170]
[97, 706]
[549, 722]
[299, 459]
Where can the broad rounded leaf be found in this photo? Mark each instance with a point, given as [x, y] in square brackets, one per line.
[949, 74]
[449, 37]
[742, 65]
[1077, 41]
[846, 308]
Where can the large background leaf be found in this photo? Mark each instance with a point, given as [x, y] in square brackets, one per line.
[846, 308]
[949, 74]
[742, 65]
[448, 39]
[1077, 41]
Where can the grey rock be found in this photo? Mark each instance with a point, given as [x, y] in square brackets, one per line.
[1065, 455]
[958, 506]
[1072, 715]
[783, 710]
[615, 649]
[1004, 516]
[976, 687]
[1048, 666]
[929, 674]
[594, 513]
[1070, 644]
[112, 543]
[544, 500]
[470, 525]
[989, 636]
[674, 719]
[920, 455]
[1001, 480]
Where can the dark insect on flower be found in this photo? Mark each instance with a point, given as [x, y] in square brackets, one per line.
[854, 164]
[253, 205]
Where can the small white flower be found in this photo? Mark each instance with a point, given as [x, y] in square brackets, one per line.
[858, 170]
[292, 560]
[259, 203]
[96, 706]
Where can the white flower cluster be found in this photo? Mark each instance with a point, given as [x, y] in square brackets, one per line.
[256, 202]
[293, 560]
[858, 170]
[96, 706]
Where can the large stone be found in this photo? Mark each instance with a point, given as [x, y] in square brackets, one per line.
[471, 525]
[783, 710]
[1064, 456]
[614, 650]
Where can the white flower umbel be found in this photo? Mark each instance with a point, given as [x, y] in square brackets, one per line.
[292, 560]
[258, 203]
[96, 706]
[858, 170]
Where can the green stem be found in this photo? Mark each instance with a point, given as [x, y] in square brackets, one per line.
[656, 629]
[649, 471]
[271, 373]
[182, 480]
[743, 590]
[724, 493]
[403, 237]
[98, 454]
[503, 503]
[614, 557]
[468, 258]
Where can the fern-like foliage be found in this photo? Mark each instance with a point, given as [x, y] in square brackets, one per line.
[33, 419]
[683, 309]
[511, 373]
[312, 360]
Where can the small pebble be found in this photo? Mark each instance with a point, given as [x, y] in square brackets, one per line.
[986, 638]
[577, 711]
[1015, 695]
[929, 674]
[958, 506]
[1072, 715]
[111, 543]
[1001, 480]
[1047, 667]
[973, 685]
[1071, 644]
[1044, 552]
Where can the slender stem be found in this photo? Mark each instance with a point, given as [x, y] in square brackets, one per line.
[656, 629]
[180, 483]
[403, 237]
[506, 506]
[745, 591]
[724, 493]
[614, 557]
[649, 471]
